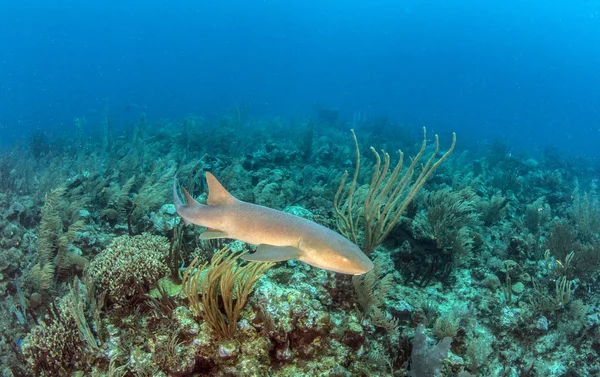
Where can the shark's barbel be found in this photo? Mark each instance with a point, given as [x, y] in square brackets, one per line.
[279, 236]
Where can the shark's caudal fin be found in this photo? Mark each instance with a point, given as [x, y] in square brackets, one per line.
[176, 200]
[180, 206]
[191, 212]
[217, 194]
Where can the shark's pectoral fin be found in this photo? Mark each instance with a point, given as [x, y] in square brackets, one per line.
[270, 253]
[211, 234]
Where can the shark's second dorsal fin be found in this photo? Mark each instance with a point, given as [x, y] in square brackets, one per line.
[217, 194]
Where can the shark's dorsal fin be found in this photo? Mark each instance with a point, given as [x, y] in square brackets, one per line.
[217, 194]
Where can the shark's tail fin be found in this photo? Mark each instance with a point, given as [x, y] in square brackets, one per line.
[176, 200]
[181, 207]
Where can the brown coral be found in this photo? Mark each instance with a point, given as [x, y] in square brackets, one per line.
[54, 348]
[128, 264]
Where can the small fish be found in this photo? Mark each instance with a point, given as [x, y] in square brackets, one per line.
[279, 236]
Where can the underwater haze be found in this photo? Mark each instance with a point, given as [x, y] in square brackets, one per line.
[525, 72]
[282, 188]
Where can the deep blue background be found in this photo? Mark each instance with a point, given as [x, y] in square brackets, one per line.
[525, 71]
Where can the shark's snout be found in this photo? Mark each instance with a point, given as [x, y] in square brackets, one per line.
[361, 265]
[366, 266]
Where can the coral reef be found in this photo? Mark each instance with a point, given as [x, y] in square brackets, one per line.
[487, 266]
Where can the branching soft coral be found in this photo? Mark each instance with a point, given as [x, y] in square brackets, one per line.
[452, 216]
[55, 256]
[388, 195]
[226, 278]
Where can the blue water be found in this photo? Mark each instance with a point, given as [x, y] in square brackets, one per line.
[526, 72]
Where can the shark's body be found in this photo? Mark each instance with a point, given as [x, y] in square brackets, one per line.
[280, 236]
